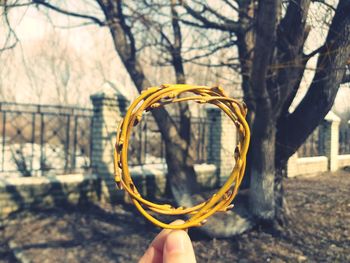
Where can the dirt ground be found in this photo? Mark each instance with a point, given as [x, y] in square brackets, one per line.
[318, 231]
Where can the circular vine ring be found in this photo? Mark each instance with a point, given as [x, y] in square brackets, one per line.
[155, 97]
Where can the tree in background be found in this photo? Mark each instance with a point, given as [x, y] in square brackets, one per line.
[265, 41]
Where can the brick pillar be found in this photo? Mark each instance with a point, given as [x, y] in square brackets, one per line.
[329, 139]
[108, 111]
[221, 142]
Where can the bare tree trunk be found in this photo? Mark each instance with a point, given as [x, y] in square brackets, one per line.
[181, 174]
[281, 206]
[263, 126]
[180, 162]
[262, 170]
[245, 45]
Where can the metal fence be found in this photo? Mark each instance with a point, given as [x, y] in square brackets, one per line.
[313, 146]
[42, 138]
[148, 147]
[344, 140]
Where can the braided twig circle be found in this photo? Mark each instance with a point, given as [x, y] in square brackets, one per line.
[159, 96]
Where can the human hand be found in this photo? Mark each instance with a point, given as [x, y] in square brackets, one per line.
[170, 246]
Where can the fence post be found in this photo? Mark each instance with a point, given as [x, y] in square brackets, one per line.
[108, 110]
[221, 142]
[329, 137]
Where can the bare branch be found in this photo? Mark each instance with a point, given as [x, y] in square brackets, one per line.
[190, 23]
[70, 13]
[211, 52]
[232, 6]
[320, 96]
[325, 3]
[15, 5]
[11, 32]
[218, 15]
[313, 53]
[346, 79]
[228, 25]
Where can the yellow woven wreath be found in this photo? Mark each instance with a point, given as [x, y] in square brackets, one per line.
[159, 96]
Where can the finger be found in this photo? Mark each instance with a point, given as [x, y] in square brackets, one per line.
[154, 253]
[178, 248]
[159, 240]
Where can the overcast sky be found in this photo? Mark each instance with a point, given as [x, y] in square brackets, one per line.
[91, 45]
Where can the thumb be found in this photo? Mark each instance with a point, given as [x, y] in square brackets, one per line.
[178, 248]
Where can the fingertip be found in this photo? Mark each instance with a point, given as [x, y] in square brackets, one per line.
[176, 242]
[177, 222]
[178, 248]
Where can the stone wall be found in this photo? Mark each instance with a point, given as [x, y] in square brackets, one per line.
[222, 142]
[17, 193]
[343, 160]
[307, 165]
[329, 142]
[109, 108]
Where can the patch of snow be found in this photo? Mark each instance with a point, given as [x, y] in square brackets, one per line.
[53, 157]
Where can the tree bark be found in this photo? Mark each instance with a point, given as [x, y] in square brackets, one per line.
[183, 164]
[245, 45]
[263, 131]
[261, 197]
[281, 207]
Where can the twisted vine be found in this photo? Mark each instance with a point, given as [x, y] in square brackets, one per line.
[155, 97]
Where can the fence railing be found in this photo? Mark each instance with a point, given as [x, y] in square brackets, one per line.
[332, 148]
[344, 140]
[42, 138]
[313, 146]
[148, 147]
[38, 139]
